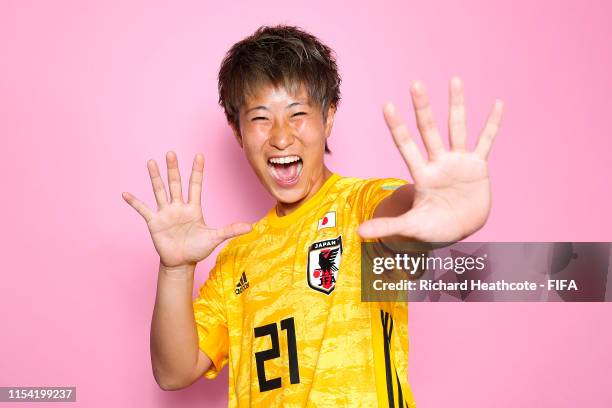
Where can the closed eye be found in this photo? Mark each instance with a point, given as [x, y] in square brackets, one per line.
[298, 113]
[260, 117]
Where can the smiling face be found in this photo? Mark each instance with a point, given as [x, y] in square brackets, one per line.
[283, 137]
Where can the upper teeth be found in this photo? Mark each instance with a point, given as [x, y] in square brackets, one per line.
[284, 160]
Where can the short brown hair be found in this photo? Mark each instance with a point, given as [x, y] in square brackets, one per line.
[278, 55]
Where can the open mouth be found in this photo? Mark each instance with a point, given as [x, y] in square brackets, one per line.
[285, 170]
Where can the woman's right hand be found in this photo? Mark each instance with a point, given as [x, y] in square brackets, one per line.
[178, 230]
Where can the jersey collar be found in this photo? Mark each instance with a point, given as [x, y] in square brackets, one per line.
[275, 221]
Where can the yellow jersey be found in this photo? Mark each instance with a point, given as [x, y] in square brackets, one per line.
[282, 306]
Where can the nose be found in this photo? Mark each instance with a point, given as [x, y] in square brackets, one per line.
[281, 136]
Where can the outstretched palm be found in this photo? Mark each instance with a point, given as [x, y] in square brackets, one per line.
[178, 230]
[452, 196]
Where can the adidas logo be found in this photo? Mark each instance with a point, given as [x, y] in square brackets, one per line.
[242, 284]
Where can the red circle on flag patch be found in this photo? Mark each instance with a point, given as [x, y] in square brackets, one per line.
[324, 221]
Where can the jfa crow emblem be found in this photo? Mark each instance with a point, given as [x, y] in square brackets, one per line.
[323, 264]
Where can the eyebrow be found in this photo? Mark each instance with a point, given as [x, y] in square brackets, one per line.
[288, 106]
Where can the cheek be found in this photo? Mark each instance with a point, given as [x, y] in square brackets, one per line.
[300, 125]
[312, 134]
[254, 138]
[253, 147]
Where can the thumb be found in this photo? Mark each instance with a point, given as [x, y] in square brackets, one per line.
[388, 226]
[232, 230]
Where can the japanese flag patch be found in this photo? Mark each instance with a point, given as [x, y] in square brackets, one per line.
[328, 221]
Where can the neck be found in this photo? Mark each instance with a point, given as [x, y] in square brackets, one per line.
[283, 209]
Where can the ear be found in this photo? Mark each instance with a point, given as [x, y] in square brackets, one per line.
[329, 123]
[237, 135]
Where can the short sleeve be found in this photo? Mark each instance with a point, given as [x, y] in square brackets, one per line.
[368, 195]
[371, 192]
[211, 320]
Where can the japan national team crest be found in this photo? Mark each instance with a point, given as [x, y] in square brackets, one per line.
[323, 264]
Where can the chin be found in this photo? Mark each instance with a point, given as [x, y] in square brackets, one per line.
[287, 196]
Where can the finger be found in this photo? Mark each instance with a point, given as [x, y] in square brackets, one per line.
[158, 184]
[174, 177]
[388, 226]
[425, 120]
[402, 138]
[233, 230]
[138, 205]
[457, 129]
[485, 141]
[195, 180]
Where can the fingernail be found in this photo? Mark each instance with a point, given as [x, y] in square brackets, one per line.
[456, 81]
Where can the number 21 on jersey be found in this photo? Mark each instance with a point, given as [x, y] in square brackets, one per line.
[261, 357]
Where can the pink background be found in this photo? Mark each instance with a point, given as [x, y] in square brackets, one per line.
[90, 90]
